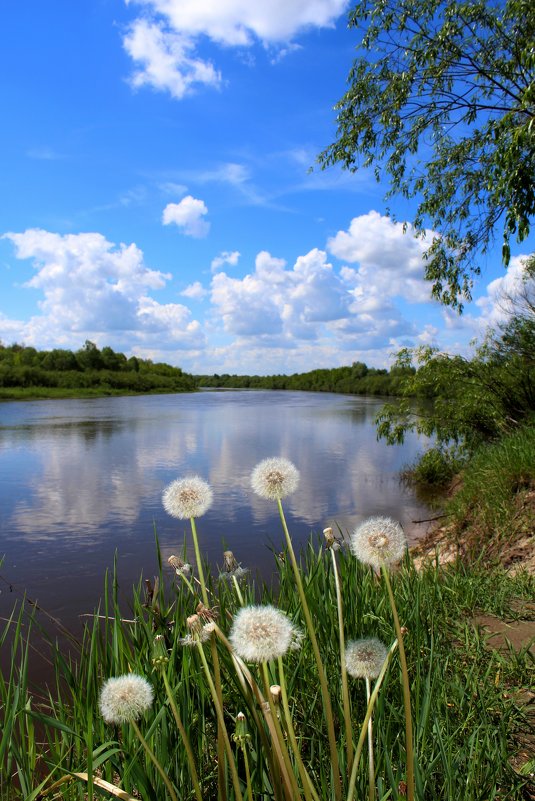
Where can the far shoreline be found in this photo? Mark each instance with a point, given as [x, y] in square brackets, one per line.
[82, 394]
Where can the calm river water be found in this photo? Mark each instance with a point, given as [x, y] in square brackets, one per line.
[82, 479]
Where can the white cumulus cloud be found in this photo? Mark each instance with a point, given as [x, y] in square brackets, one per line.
[163, 42]
[511, 291]
[165, 60]
[277, 302]
[92, 288]
[390, 259]
[349, 308]
[188, 215]
[237, 22]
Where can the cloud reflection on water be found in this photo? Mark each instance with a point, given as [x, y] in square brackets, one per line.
[80, 479]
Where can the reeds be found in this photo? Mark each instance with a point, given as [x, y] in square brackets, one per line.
[277, 744]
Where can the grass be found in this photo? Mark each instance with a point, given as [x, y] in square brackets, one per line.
[58, 393]
[494, 504]
[464, 696]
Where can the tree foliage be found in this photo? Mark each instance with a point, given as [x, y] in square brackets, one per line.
[104, 371]
[441, 101]
[357, 380]
[470, 401]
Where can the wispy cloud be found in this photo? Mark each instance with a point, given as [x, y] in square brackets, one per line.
[226, 257]
[195, 291]
[45, 153]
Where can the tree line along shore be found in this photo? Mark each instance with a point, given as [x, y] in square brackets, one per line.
[26, 372]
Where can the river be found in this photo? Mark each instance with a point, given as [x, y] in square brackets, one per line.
[81, 480]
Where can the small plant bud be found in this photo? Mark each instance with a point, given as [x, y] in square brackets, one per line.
[160, 656]
[241, 734]
[275, 691]
[329, 536]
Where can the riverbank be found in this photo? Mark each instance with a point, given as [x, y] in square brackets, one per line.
[79, 393]
[488, 512]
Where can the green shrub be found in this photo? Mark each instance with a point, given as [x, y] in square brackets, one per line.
[436, 467]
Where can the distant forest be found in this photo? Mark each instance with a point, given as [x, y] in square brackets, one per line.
[357, 380]
[27, 372]
[88, 370]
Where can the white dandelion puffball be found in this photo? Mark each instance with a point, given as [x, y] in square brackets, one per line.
[263, 633]
[187, 497]
[365, 658]
[378, 541]
[125, 698]
[275, 478]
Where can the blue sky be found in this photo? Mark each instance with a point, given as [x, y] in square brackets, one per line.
[157, 194]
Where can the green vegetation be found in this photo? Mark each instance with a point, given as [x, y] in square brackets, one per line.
[494, 506]
[357, 380]
[441, 103]
[480, 412]
[466, 698]
[469, 402]
[27, 373]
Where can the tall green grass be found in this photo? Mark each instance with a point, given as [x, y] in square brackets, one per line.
[492, 485]
[464, 701]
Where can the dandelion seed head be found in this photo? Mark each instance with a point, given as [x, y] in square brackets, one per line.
[194, 624]
[231, 568]
[275, 478]
[230, 562]
[378, 541]
[263, 633]
[196, 636]
[206, 613]
[181, 568]
[187, 497]
[125, 698]
[365, 658]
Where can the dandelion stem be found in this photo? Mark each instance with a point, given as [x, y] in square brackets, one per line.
[185, 738]
[238, 591]
[321, 670]
[345, 690]
[217, 673]
[367, 717]
[293, 789]
[246, 679]
[305, 778]
[154, 760]
[188, 583]
[221, 723]
[371, 766]
[198, 559]
[406, 689]
[247, 774]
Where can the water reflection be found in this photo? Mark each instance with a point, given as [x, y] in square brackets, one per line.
[81, 480]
